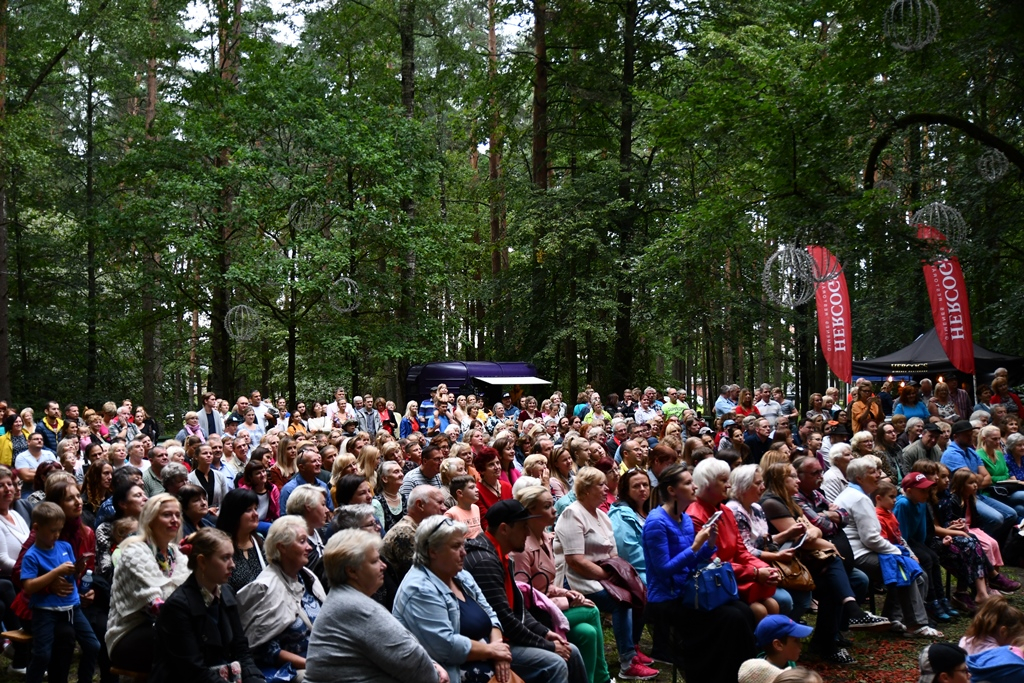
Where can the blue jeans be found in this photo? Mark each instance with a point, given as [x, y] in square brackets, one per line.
[45, 624]
[996, 517]
[794, 604]
[536, 665]
[1014, 498]
[622, 625]
[860, 583]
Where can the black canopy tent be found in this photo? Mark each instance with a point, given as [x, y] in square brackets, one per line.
[924, 357]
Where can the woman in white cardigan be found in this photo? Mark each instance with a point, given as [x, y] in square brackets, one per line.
[867, 542]
[150, 568]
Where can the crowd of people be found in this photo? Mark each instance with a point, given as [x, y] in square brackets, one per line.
[459, 541]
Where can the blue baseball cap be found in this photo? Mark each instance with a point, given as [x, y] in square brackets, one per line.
[777, 627]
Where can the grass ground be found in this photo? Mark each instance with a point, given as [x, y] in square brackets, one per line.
[881, 658]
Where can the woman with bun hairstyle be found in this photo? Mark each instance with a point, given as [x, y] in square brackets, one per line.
[199, 626]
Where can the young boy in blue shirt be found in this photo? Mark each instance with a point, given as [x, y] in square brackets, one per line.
[48, 578]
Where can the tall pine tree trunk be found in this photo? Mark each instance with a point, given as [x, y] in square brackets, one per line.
[150, 323]
[406, 28]
[622, 362]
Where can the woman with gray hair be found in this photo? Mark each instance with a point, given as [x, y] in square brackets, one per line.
[866, 539]
[834, 481]
[441, 604]
[390, 505]
[310, 503]
[279, 608]
[355, 638]
[755, 579]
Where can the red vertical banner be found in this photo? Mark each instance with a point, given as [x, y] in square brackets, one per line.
[833, 299]
[948, 294]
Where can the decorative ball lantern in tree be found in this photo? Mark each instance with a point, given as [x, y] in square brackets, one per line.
[344, 295]
[242, 323]
[993, 165]
[911, 24]
[788, 277]
[945, 219]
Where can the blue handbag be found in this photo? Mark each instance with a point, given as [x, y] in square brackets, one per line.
[711, 587]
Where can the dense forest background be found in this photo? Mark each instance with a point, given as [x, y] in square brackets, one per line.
[592, 186]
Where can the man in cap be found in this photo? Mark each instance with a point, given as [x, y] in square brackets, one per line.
[510, 409]
[943, 663]
[539, 655]
[925, 448]
[996, 518]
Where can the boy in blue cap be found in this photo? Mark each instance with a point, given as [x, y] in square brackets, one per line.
[779, 637]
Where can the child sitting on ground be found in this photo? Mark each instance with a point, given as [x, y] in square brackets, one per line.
[463, 490]
[48, 578]
[779, 637]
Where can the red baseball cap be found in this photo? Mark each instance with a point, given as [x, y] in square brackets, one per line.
[916, 480]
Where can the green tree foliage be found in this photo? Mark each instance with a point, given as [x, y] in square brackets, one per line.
[682, 144]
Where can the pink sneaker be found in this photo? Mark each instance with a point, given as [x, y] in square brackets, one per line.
[637, 672]
[641, 658]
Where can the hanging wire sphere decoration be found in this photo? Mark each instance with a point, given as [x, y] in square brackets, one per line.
[993, 165]
[344, 295]
[945, 219]
[242, 323]
[788, 277]
[911, 24]
[830, 270]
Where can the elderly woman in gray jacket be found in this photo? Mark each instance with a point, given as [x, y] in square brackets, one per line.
[443, 607]
[355, 638]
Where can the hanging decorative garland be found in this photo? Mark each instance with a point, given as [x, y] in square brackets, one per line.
[788, 277]
[242, 323]
[344, 295]
[911, 24]
[945, 219]
[993, 165]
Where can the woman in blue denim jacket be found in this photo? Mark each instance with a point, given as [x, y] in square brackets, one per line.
[443, 607]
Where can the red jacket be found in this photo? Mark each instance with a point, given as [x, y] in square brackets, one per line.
[730, 548]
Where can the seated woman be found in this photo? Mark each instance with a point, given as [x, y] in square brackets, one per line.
[311, 506]
[254, 478]
[352, 489]
[150, 569]
[129, 501]
[279, 608]
[441, 604]
[214, 482]
[390, 505]
[195, 509]
[239, 519]
[755, 579]
[492, 487]
[865, 534]
[584, 537]
[674, 551]
[355, 638]
[959, 503]
[1005, 488]
[746, 487]
[537, 561]
[201, 641]
[836, 602]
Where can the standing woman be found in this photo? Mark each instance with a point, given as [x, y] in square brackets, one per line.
[584, 537]
[146, 424]
[746, 404]
[537, 560]
[755, 579]
[674, 551]
[14, 441]
[319, 422]
[389, 506]
[284, 469]
[150, 569]
[866, 408]
[239, 519]
[200, 641]
[410, 421]
[492, 488]
[388, 421]
[213, 481]
[911, 404]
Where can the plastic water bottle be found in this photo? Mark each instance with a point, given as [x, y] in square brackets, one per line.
[86, 581]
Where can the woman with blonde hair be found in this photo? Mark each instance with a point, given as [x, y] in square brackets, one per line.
[344, 464]
[994, 459]
[285, 468]
[150, 569]
[368, 460]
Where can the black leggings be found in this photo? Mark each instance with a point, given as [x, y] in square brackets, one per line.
[134, 651]
[929, 561]
[712, 644]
